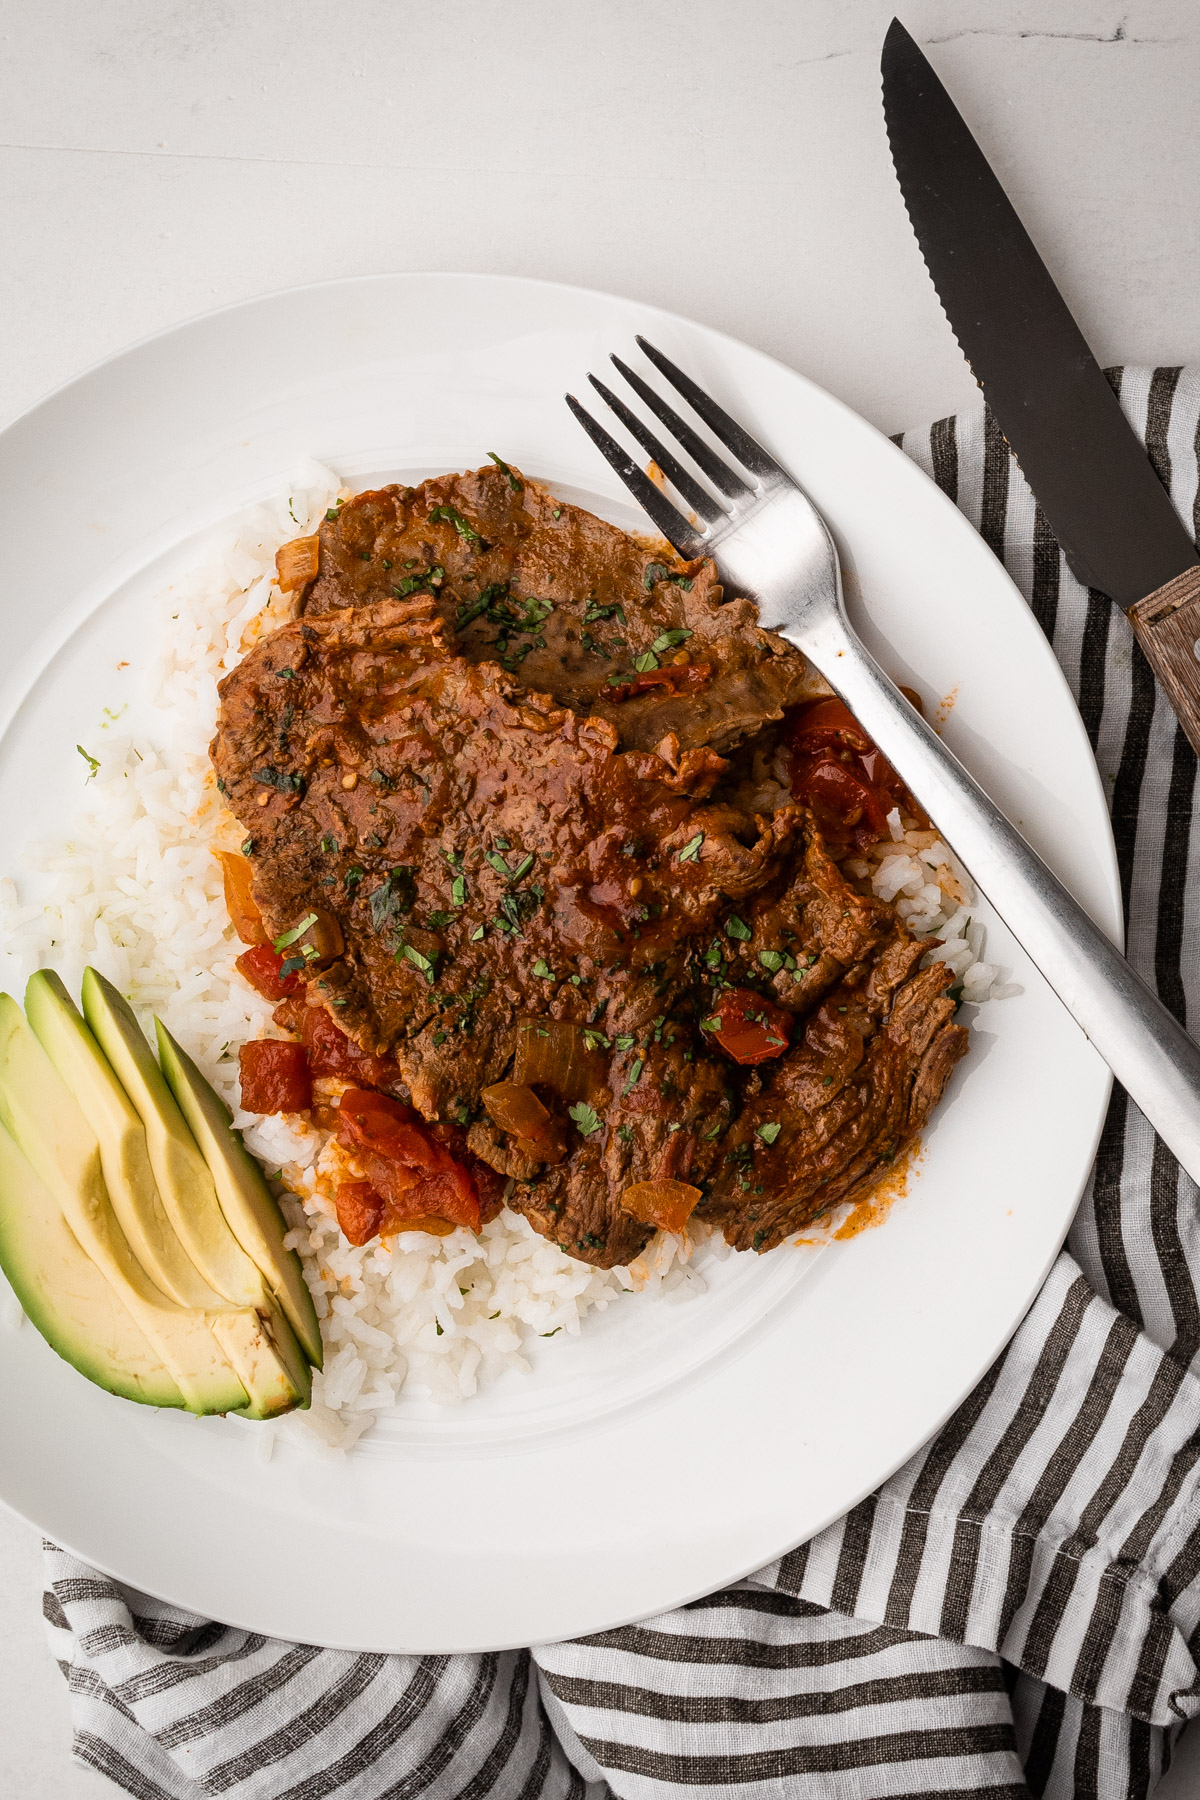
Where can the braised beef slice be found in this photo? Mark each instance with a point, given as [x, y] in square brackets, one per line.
[836, 1111]
[482, 856]
[565, 602]
[477, 854]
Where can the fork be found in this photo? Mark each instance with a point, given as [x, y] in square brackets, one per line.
[770, 544]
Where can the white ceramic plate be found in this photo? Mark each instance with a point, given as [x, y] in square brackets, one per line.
[666, 1451]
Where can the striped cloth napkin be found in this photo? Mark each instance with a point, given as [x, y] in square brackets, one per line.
[1016, 1612]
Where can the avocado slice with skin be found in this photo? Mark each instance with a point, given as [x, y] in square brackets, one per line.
[275, 1377]
[124, 1156]
[191, 1201]
[246, 1200]
[46, 1123]
[64, 1295]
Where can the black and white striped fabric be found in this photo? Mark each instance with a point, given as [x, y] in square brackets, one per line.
[1016, 1612]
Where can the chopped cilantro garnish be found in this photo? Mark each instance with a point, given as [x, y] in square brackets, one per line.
[737, 928]
[595, 1040]
[670, 640]
[286, 674]
[769, 1132]
[714, 956]
[464, 528]
[634, 1075]
[645, 662]
[771, 959]
[714, 1133]
[584, 1118]
[514, 481]
[657, 571]
[291, 966]
[497, 862]
[594, 612]
[458, 891]
[396, 894]
[542, 970]
[713, 1023]
[353, 876]
[283, 780]
[431, 577]
[477, 934]
[625, 1043]
[437, 921]
[329, 845]
[423, 963]
[247, 846]
[483, 602]
[297, 931]
[691, 850]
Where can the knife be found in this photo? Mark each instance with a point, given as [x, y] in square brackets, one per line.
[1092, 478]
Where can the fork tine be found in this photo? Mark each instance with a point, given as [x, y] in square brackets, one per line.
[718, 472]
[697, 497]
[672, 524]
[734, 436]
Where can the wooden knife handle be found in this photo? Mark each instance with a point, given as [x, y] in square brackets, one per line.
[1167, 626]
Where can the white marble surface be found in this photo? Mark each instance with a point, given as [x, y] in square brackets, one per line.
[724, 157]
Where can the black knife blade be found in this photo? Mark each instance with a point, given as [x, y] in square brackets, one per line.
[1095, 483]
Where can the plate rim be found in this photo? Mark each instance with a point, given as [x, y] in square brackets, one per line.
[1106, 850]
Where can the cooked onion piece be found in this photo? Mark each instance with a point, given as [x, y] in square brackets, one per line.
[239, 897]
[314, 941]
[516, 1108]
[297, 563]
[556, 1054]
[667, 1204]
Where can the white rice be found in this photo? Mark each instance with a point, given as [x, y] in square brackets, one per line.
[137, 892]
[934, 897]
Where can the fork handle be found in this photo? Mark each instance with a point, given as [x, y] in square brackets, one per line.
[1150, 1054]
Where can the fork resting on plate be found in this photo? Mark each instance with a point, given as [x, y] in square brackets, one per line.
[770, 543]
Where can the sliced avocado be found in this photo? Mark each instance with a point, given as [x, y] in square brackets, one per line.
[273, 1368]
[65, 1296]
[246, 1200]
[124, 1156]
[190, 1199]
[275, 1378]
[42, 1116]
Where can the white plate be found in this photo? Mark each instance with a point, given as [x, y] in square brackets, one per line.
[665, 1452]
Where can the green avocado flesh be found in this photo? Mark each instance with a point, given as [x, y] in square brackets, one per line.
[47, 1124]
[271, 1363]
[64, 1295]
[246, 1200]
[124, 1156]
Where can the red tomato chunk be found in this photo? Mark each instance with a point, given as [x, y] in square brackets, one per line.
[838, 772]
[331, 1052]
[749, 1028]
[275, 1077]
[262, 968]
[403, 1161]
[676, 678]
[359, 1210]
